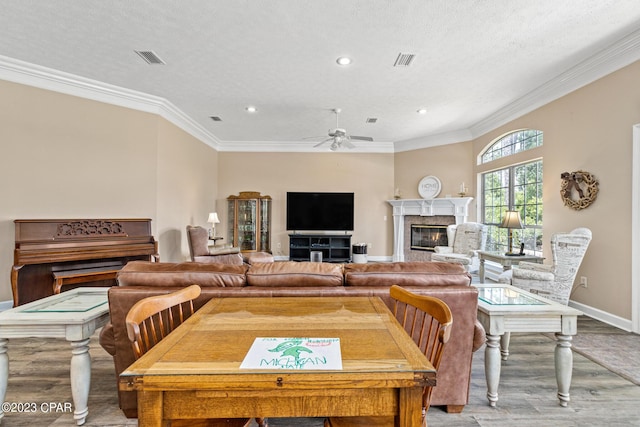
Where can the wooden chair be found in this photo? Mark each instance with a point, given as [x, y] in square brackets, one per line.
[152, 319]
[428, 321]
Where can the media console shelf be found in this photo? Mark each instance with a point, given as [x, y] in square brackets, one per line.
[334, 247]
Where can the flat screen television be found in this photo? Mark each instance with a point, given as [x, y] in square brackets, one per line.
[319, 211]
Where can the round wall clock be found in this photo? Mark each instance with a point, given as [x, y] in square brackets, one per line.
[429, 187]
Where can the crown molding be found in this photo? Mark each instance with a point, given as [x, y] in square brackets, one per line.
[452, 137]
[303, 147]
[41, 77]
[618, 55]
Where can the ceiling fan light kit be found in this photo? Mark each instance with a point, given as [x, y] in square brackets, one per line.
[339, 137]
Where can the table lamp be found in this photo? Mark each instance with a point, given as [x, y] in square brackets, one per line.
[213, 219]
[510, 221]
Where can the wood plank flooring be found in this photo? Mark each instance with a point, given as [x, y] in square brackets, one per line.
[39, 372]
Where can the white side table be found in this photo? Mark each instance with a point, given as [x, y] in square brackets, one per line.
[73, 315]
[503, 309]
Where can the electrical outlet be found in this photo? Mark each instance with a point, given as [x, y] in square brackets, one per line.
[583, 281]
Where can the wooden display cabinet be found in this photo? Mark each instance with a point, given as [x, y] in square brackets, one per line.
[249, 216]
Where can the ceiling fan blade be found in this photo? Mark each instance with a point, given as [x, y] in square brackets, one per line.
[348, 143]
[322, 142]
[361, 138]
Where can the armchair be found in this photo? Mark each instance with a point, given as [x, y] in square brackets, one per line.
[464, 241]
[555, 281]
[199, 250]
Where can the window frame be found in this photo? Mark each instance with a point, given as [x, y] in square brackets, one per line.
[513, 190]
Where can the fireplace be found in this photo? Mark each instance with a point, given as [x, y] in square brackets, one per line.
[428, 210]
[427, 237]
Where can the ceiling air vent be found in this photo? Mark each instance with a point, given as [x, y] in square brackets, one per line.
[216, 119]
[404, 59]
[372, 119]
[150, 57]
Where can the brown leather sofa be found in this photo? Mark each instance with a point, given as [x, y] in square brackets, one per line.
[449, 282]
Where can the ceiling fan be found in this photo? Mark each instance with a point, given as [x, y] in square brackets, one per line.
[339, 136]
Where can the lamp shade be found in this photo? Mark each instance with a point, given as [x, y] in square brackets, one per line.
[511, 220]
[213, 218]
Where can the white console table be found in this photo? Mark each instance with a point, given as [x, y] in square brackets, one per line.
[73, 315]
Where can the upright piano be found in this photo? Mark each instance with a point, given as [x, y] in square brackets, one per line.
[53, 255]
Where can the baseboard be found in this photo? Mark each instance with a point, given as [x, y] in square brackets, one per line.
[603, 316]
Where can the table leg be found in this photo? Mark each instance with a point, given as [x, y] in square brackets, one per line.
[564, 367]
[80, 379]
[492, 366]
[149, 408]
[504, 345]
[410, 407]
[481, 271]
[4, 372]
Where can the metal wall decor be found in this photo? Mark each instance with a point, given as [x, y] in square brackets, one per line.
[578, 189]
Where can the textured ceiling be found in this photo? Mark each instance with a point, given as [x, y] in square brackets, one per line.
[473, 58]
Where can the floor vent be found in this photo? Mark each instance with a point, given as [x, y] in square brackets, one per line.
[404, 59]
[150, 57]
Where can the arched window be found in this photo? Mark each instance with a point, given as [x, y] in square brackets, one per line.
[516, 187]
[512, 143]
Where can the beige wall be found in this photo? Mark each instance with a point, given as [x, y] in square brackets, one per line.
[450, 163]
[67, 157]
[187, 189]
[589, 129]
[62, 156]
[369, 176]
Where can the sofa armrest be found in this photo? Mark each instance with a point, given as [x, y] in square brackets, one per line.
[107, 339]
[479, 336]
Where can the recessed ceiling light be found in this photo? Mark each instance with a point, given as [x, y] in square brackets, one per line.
[422, 111]
[251, 109]
[343, 60]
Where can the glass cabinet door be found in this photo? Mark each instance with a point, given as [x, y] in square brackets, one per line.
[247, 226]
[249, 221]
[265, 220]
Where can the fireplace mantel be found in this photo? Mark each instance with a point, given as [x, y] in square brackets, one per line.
[455, 206]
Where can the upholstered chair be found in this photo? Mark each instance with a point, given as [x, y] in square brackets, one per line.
[199, 250]
[464, 241]
[553, 281]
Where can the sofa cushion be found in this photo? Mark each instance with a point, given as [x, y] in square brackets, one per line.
[291, 273]
[167, 274]
[405, 274]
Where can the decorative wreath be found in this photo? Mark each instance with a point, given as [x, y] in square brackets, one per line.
[585, 186]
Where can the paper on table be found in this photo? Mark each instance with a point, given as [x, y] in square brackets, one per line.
[294, 353]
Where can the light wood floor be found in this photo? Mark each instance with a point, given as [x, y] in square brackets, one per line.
[39, 370]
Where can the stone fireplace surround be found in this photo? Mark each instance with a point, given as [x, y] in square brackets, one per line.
[439, 211]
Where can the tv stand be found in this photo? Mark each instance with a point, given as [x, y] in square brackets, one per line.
[334, 247]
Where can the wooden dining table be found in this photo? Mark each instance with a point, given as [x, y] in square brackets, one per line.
[195, 372]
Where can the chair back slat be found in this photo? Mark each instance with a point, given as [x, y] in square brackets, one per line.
[428, 322]
[151, 319]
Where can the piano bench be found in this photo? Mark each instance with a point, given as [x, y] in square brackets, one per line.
[83, 275]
